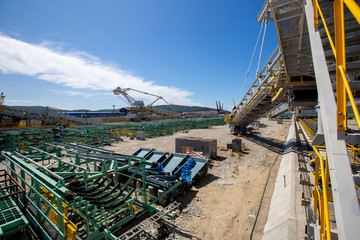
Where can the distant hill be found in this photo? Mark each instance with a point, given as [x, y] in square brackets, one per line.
[32, 108]
[181, 108]
[42, 108]
[176, 108]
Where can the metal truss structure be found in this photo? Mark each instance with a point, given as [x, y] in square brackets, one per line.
[78, 191]
[46, 116]
[317, 70]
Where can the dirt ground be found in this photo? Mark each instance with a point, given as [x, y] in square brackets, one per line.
[232, 201]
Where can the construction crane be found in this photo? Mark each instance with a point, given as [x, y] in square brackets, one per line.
[132, 101]
[123, 92]
[138, 107]
[219, 107]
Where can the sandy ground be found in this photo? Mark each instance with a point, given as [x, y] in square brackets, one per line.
[232, 201]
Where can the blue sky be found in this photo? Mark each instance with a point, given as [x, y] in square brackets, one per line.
[72, 54]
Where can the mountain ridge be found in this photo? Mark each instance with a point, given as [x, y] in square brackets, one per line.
[177, 108]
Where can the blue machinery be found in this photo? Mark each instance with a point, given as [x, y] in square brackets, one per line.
[75, 190]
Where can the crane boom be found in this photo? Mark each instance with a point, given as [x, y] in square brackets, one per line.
[123, 91]
[142, 92]
[138, 104]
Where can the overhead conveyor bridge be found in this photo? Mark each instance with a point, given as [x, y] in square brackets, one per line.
[288, 75]
[260, 98]
[319, 64]
[282, 109]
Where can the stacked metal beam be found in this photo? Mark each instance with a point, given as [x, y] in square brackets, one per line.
[80, 191]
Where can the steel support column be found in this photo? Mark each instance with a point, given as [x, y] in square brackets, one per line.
[340, 61]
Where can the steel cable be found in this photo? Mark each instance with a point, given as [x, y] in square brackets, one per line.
[261, 48]
[252, 57]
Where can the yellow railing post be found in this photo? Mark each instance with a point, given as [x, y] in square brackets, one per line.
[342, 85]
[322, 219]
[318, 9]
[316, 183]
[316, 16]
[340, 61]
[349, 94]
[326, 180]
[322, 171]
[355, 151]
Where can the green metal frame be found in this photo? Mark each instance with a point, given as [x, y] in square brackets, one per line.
[58, 168]
[99, 135]
[12, 220]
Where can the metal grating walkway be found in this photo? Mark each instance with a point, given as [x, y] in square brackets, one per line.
[288, 76]
[12, 220]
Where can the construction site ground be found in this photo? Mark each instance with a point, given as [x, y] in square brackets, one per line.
[233, 200]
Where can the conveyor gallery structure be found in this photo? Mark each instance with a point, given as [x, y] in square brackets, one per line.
[316, 64]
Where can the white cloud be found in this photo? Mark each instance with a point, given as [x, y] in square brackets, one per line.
[16, 101]
[79, 93]
[19, 102]
[77, 70]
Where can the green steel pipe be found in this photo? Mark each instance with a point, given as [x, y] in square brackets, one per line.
[106, 173]
[40, 166]
[166, 192]
[51, 184]
[58, 158]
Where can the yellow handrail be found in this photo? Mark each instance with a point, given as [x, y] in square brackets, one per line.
[307, 128]
[264, 8]
[312, 120]
[342, 85]
[277, 94]
[261, 89]
[324, 175]
[317, 6]
[321, 198]
[354, 9]
[355, 151]
[350, 95]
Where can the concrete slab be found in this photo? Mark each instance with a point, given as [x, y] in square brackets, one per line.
[282, 221]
